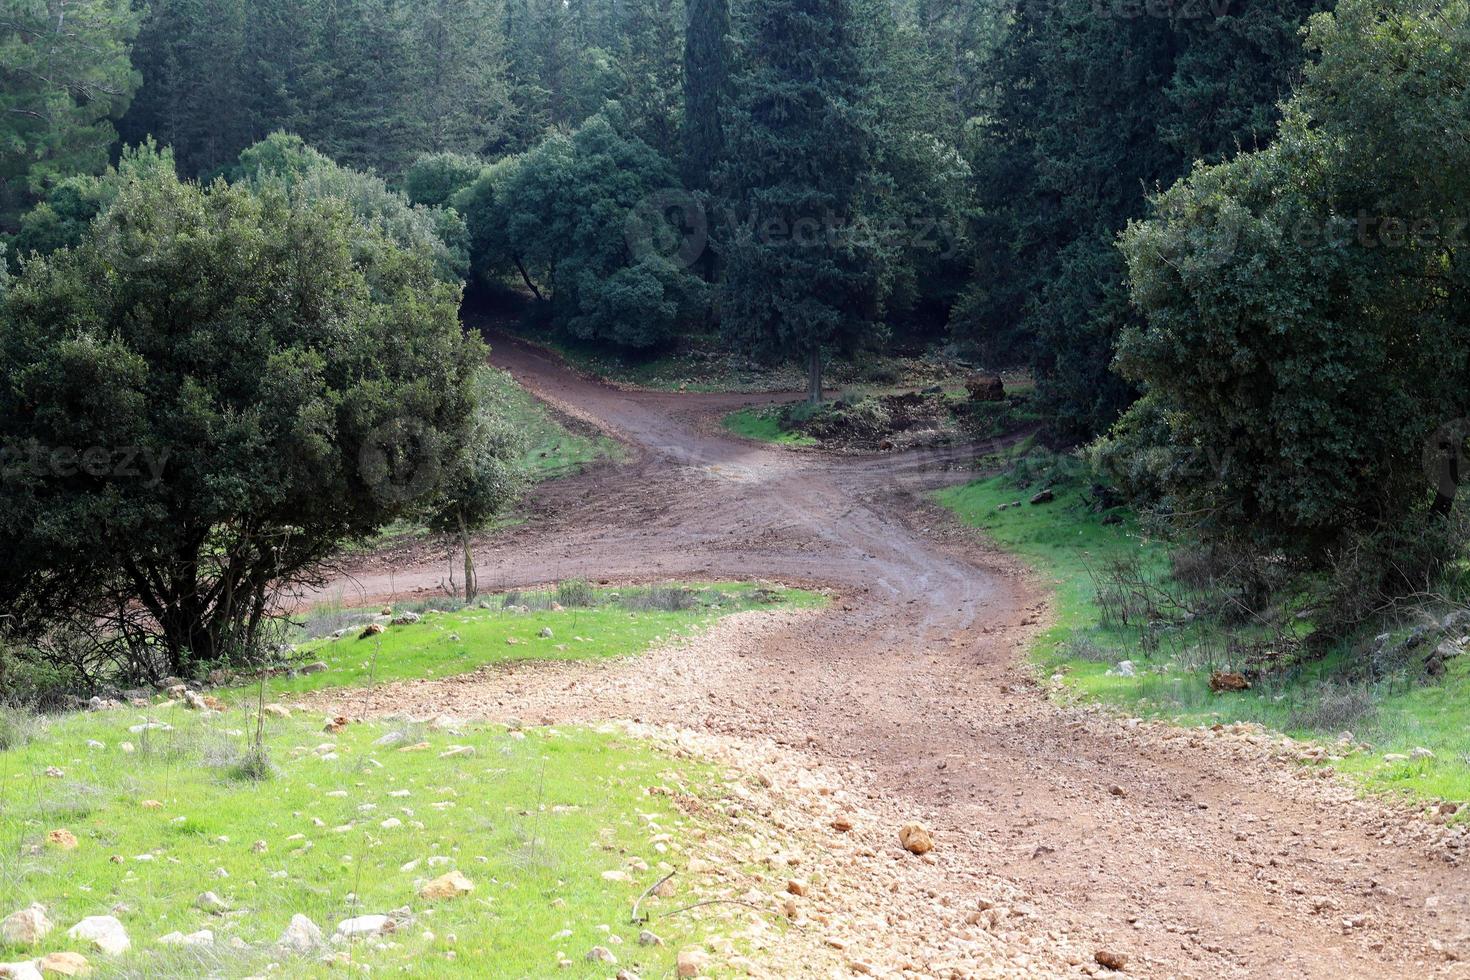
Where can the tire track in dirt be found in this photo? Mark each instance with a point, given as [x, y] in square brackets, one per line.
[1195, 853]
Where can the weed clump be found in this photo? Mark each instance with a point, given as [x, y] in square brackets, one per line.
[576, 594]
[17, 728]
[659, 599]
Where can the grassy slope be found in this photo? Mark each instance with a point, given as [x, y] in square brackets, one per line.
[457, 642]
[1064, 539]
[533, 821]
[533, 818]
[764, 425]
[552, 450]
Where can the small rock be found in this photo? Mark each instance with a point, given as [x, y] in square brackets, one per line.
[1117, 791]
[1223, 682]
[319, 667]
[104, 932]
[365, 925]
[64, 964]
[63, 840]
[601, 954]
[211, 903]
[842, 823]
[452, 885]
[302, 935]
[26, 927]
[1110, 959]
[407, 619]
[277, 710]
[457, 751]
[1420, 753]
[692, 962]
[53, 772]
[201, 938]
[1044, 497]
[916, 838]
[646, 938]
[20, 971]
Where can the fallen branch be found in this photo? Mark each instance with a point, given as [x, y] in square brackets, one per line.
[651, 889]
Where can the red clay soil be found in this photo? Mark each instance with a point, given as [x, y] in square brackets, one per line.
[1196, 855]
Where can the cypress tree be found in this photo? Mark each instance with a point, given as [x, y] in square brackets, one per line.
[803, 274]
[706, 84]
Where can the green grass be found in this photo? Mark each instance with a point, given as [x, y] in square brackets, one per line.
[445, 643]
[764, 425]
[552, 450]
[533, 819]
[1066, 539]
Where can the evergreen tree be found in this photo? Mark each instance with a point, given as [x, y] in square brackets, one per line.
[459, 99]
[65, 75]
[1092, 111]
[706, 88]
[194, 98]
[801, 276]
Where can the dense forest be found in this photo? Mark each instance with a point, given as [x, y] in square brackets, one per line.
[1227, 239]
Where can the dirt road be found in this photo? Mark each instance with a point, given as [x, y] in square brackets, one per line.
[1197, 854]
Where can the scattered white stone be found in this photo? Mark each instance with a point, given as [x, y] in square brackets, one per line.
[211, 903]
[1125, 668]
[203, 937]
[26, 927]
[365, 925]
[1420, 753]
[21, 971]
[601, 954]
[104, 932]
[302, 935]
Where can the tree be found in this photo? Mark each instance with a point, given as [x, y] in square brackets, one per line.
[573, 216]
[802, 275]
[64, 76]
[458, 98]
[706, 88]
[195, 96]
[1093, 106]
[485, 479]
[1306, 340]
[64, 217]
[435, 178]
[283, 160]
[204, 400]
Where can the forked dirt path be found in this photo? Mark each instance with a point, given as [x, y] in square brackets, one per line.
[1195, 854]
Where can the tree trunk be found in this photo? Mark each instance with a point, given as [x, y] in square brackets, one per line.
[525, 277]
[814, 377]
[471, 586]
[1451, 449]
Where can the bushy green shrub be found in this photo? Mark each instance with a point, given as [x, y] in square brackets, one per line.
[285, 161]
[434, 179]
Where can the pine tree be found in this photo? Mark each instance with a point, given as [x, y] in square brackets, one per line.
[706, 89]
[64, 76]
[191, 54]
[802, 274]
[459, 97]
